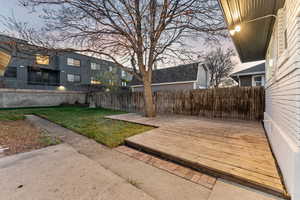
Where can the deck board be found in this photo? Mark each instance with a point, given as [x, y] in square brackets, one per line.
[237, 150]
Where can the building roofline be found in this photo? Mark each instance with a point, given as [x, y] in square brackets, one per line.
[167, 83]
[180, 65]
[71, 52]
[246, 74]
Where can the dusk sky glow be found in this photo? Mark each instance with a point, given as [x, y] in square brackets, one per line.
[9, 8]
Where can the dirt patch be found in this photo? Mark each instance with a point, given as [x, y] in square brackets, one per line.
[21, 136]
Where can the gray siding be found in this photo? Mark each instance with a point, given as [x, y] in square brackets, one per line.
[57, 62]
[245, 81]
[202, 77]
[180, 73]
[83, 71]
[167, 79]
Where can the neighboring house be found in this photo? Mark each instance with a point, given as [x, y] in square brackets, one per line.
[182, 77]
[126, 78]
[60, 71]
[253, 76]
[269, 29]
[227, 82]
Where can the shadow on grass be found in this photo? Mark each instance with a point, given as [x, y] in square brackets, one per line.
[90, 122]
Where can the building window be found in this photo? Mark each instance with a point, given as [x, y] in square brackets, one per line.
[281, 31]
[271, 59]
[43, 77]
[258, 81]
[42, 60]
[285, 40]
[110, 68]
[73, 62]
[123, 74]
[94, 81]
[73, 78]
[4, 61]
[95, 66]
[10, 72]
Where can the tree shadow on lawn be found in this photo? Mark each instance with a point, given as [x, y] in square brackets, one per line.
[90, 122]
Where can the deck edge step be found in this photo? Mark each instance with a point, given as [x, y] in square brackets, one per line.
[205, 169]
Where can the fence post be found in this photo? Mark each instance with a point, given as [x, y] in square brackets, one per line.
[247, 103]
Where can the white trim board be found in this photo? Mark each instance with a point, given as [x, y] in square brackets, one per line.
[247, 74]
[287, 154]
[262, 80]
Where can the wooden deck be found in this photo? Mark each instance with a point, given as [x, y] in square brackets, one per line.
[235, 150]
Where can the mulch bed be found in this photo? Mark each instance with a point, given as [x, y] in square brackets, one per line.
[20, 136]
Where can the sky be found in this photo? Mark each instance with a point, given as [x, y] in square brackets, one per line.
[10, 8]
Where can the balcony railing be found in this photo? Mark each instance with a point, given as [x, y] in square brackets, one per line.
[42, 83]
[10, 72]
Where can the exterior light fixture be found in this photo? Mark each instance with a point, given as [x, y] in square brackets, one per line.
[232, 32]
[237, 28]
[271, 62]
[61, 88]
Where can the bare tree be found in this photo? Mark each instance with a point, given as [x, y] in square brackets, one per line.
[219, 64]
[138, 33]
[109, 79]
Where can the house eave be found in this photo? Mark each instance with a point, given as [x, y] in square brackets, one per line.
[247, 74]
[169, 83]
[256, 18]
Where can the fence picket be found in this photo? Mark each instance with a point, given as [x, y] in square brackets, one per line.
[246, 103]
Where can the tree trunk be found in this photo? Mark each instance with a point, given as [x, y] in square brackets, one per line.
[148, 98]
[211, 81]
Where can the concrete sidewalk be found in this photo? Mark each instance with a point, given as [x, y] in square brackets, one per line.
[159, 184]
[226, 190]
[60, 172]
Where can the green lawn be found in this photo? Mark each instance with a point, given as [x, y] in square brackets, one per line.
[87, 121]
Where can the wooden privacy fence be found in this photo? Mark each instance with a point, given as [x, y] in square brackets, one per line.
[246, 103]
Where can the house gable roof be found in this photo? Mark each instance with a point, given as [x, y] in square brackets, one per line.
[181, 73]
[257, 69]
